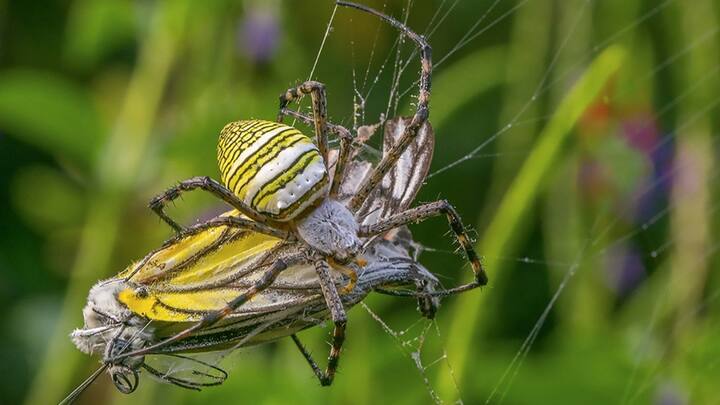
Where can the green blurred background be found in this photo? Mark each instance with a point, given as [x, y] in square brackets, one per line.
[592, 191]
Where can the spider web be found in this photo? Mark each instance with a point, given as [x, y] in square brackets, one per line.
[608, 232]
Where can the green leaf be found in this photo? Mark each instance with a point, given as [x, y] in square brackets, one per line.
[65, 198]
[459, 83]
[98, 28]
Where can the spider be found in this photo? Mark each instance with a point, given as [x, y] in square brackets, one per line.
[281, 183]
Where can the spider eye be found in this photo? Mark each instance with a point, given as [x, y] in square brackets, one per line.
[125, 379]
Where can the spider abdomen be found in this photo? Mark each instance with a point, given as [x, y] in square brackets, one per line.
[274, 168]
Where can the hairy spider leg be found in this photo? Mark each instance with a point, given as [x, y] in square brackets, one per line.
[234, 222]
[159, 202]
[421, 113]
[423, 212]
[339, 319]
[344, 155]
[319, 108]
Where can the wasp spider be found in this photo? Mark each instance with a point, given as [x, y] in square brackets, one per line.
[281, 183]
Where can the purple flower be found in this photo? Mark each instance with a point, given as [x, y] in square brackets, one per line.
[625, 269]
[258, 34]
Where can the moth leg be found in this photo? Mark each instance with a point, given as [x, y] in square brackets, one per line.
[214, 316]
[339, 318]
[346, 145]
[421, 113]
[213, 187]
[426, 305]
[316, 90]
[423, 212]
[428, 302]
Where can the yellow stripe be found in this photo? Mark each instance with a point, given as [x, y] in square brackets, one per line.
[236, 137]
[231, 137]
[245, 178]
[239, 179]
[251, 134]
[290, 211]
[241, 147]
[271, 188]
[251, 162]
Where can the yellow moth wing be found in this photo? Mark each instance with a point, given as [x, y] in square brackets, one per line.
[192, 264]
[178, 306]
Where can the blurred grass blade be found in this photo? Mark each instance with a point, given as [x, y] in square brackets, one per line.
[51, 113]
[498, 238]
[97, 29]
[117, 173]
[457, 84]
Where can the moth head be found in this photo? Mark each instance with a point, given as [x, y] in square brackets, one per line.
[102, 315]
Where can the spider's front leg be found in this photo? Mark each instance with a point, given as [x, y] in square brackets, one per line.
[158, 203]
[339, 318]
[319, 107]
[421, 113]
[346, 145]
[235, 223]
[424, 212]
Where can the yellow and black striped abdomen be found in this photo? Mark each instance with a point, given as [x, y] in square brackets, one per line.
[273, 168]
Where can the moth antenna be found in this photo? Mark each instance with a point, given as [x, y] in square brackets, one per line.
[75, 394]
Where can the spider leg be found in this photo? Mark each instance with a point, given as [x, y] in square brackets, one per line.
[319, 107]
[215, 316]
[308, 357]
[344, 156]
[158, 203]
[422, 213]
[232, 222]
[339, 318]
[421, 113]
